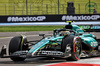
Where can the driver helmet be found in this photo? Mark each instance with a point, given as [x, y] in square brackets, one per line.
[64, 33]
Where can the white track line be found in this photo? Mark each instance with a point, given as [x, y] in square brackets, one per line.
[52, 23]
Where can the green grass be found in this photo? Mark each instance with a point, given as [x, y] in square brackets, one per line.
[27, 28]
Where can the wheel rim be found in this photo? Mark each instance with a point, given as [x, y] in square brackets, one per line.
[77, 47]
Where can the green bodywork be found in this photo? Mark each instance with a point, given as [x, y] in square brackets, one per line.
[44, 42]
[77, 29]
[88, 39]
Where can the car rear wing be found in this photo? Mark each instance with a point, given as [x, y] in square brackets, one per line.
[87, 26]
[90, 28]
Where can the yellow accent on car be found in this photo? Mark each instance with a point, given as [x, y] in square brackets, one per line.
[70, 21]
[22, 39]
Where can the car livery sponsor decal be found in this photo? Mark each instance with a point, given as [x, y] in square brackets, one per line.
[94, 43]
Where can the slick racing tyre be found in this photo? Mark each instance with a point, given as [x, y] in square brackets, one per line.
[76, 48]
[17, 44]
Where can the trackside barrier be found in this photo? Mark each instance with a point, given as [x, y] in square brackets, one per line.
[80, 19]
[49, 18]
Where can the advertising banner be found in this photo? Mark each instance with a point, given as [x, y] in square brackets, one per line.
[49, 18]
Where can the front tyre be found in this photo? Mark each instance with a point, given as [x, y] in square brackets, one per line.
[76, 48]
[16, 44]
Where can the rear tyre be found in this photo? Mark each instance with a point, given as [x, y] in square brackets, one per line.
[76, 47]
[16, 44]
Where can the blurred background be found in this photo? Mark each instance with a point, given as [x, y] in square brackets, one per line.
[47, 7]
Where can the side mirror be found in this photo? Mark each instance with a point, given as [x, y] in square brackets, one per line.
[42, 35]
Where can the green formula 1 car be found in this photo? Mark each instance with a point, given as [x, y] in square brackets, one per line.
[69, 42]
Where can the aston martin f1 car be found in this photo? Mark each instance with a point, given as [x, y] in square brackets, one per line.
[69, 42]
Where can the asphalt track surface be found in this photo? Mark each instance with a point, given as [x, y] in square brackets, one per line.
[5, 38]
